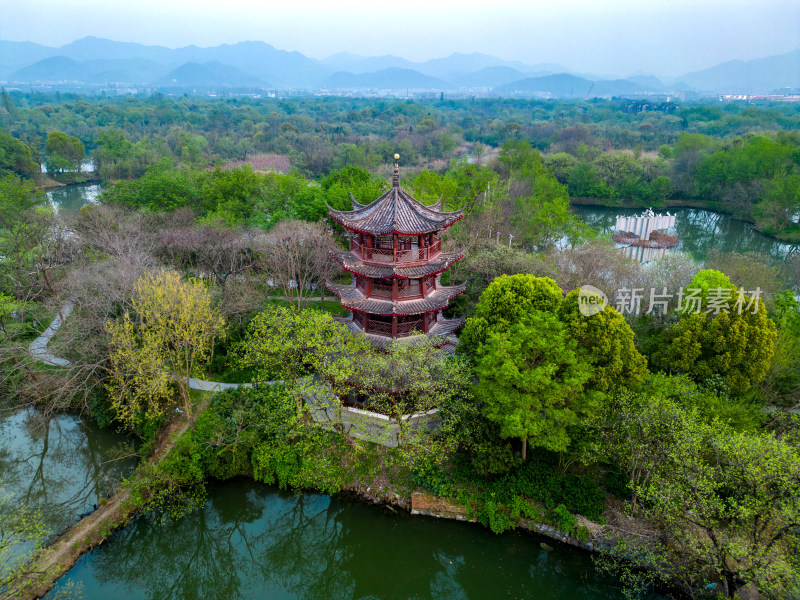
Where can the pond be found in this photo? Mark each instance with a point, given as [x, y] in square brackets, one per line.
[61, 465]
[254, 541]
[71, 198]
[698, 231]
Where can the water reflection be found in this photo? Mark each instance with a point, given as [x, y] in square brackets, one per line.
[60, 465]
[70, 198]
[699, 231]
[252, 541]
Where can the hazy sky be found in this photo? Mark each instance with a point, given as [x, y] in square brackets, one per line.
[667, 37]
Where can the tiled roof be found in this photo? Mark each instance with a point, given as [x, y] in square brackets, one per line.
[441, 335]
[352, 298]
[355, 265]
[396, 212]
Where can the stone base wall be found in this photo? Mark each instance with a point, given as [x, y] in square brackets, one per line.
[326, 410]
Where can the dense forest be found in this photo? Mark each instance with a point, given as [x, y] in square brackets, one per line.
[207, 254]
[736, 158]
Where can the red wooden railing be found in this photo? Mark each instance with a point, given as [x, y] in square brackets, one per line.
[388, 255]
[409, 327]
[381, 291]
[380, 327]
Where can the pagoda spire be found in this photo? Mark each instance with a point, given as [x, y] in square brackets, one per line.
[396, 176]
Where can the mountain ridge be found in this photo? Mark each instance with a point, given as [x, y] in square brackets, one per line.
[79, 62]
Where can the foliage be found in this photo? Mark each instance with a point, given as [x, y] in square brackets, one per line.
[25, 228]
[725, 500]
[504, 302]
[16, 156]
[532, 380]
[166, 340]
[725, 333]
[606, 341]
[64, 152]
[22, 534]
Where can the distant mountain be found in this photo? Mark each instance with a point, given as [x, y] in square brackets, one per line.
[93, 60]
[749, 76]
[92, 48]
[53, 69]
[354, 63]
[572, 86]
[561, 85]
[385, 79]
[15, 55]
[458, 63]
[134, 71]
[260, 60]
[447, 68]
[208, 75]
[488, 77]
[62, 69]
[648, 81]
[281, 68]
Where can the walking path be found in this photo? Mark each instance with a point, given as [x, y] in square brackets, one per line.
[38, 351]
[38, 348]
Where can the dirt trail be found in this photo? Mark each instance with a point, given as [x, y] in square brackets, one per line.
[60, 556]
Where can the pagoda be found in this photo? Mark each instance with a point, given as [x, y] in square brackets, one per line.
[396, 261]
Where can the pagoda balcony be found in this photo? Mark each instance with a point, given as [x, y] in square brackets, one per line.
[404, 292]
[354, 298]
[399, 255]
[380, 332]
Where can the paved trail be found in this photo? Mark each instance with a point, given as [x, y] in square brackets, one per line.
[38, 351]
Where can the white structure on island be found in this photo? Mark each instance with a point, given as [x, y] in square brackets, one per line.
[645, 224]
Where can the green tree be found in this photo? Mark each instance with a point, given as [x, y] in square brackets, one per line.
[16, 156]
[531, 379]
[606, 341]
[64, 152]
[726, 334]
[504, 302]
[25, 224]
[168, 339]
[290, 345]
[727, 503]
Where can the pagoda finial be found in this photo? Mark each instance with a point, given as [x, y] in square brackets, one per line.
[396, 176]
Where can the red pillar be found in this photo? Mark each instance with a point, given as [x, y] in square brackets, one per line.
[394, 326]
[394, 289]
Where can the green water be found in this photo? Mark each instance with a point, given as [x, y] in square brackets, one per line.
[254, 541]
[60, 466]
[699, 231]
[71, 198]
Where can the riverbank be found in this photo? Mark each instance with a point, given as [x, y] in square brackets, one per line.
[792, 236]
[58, 557]
[47, 183]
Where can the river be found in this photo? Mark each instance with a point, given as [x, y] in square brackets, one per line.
[251, 540]
[698, 231]
[254, 541]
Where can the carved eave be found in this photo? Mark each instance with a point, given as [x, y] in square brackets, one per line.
[351, 297]
[441, 335]
[395, 212]
[355, 265]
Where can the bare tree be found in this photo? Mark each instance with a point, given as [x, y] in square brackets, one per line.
[295, 255]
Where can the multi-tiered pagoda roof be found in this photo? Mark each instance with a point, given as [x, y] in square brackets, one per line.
[396, 262]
